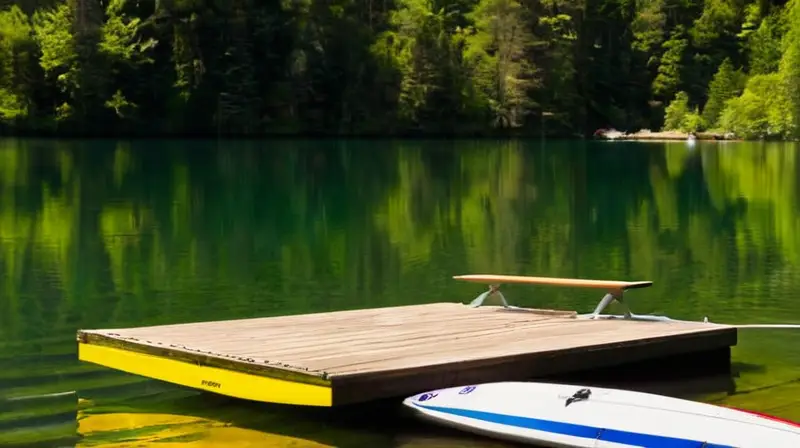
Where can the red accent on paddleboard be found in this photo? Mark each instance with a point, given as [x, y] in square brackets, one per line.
[768, 417]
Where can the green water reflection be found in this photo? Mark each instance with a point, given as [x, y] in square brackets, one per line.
[107, 234]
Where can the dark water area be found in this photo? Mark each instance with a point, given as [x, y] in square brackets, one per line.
[107, 234]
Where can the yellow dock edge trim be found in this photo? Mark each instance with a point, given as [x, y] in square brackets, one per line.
[212, 379]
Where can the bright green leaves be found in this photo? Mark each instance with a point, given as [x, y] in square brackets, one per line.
[426, 47]
[769, 107]
[719, 18]
[119, 104]
[676, 111]
[53, 33]
[123, 48]
[789, 72]
[679, 116]
[16, 53]
[759, 112]
[726, 84]
[371, 66]
[763, 44]
[672, 63]
[414, 47]
[649, 26]
[497, 57]
[83, 57]
[120, 36]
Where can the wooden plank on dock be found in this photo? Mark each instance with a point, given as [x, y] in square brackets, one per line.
[327, 359]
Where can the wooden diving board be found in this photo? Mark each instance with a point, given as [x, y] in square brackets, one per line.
[610, 285]
[614, 288]
[343, 357]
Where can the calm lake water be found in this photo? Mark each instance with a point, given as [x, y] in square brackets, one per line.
[113, 234]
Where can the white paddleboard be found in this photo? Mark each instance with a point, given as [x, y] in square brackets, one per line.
[553, 415]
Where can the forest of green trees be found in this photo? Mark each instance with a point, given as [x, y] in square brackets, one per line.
[392, 67]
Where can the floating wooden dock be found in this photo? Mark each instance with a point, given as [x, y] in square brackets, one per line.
[344, 357]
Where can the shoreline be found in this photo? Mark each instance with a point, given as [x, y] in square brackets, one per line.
[599, 135]
[646, 135]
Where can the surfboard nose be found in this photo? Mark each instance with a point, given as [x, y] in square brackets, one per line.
[443, 395]
[423, 397]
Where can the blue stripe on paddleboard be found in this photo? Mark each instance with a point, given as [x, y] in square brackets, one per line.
[575, 430]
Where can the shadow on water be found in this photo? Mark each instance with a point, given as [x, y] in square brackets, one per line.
[183, 416]
[739, 367]
[149, 411]
[175, 416]
[200, 419]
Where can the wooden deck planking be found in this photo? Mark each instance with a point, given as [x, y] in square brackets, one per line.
[327, 331]
[401, 337]
[355, 336]
[346, 347]
[470, 348]
[350, 330]
[480, 337]
[444, 337]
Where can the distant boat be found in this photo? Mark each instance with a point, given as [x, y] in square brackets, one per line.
[564, 415]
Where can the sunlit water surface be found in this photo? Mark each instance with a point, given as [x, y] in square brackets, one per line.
[114, 234]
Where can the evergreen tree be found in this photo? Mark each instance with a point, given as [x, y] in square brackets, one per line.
[408, 66]
[725, 85]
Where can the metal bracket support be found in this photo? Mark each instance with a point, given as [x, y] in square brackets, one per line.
[607, 300]
[494, 290]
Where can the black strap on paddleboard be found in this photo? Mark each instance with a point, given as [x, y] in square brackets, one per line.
[582, 394]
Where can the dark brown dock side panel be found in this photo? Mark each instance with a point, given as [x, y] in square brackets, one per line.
[370, 354]
[367, 386]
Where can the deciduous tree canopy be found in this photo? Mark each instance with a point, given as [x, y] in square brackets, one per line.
[347, 67]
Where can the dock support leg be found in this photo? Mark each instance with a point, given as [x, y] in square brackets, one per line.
[493, 290]
[606, 300]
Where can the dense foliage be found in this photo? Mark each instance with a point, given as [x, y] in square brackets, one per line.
[247, 67]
